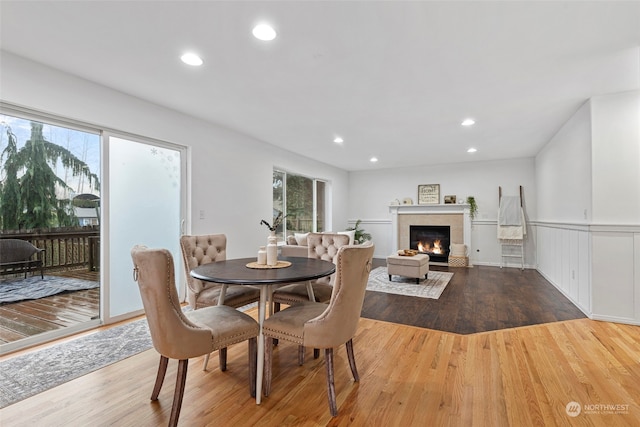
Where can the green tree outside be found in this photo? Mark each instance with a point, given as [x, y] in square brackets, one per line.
[28, 196]
[299, 203]
[10, 188]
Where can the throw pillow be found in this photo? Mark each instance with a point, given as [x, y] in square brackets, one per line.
[458, 249]
[301, 238]
[351, 234]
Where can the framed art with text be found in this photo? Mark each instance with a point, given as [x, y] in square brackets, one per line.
[429, 194]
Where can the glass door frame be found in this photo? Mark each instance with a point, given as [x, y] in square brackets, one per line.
[185, 214]
[105, 262]
[51, 119]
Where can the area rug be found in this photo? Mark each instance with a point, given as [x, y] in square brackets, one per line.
[32, 373]
[432, 287]
[34, 287]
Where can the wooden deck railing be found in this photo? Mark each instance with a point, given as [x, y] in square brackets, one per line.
[65, 248]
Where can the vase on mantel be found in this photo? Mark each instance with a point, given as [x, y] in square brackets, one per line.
[272, 249]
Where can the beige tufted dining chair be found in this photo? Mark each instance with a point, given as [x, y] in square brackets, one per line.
[319, 246]
[323, 246]
[203, 249]
[317, 325]
[178, 335]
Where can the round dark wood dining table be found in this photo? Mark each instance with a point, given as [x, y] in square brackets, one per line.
[236, 272]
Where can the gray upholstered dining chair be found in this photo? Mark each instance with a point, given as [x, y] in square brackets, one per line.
[317, 325]
[178, 335]
[203, 249]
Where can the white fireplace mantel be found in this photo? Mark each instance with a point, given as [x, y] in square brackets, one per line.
[441, 209]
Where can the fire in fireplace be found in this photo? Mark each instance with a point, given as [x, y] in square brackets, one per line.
[433, 240]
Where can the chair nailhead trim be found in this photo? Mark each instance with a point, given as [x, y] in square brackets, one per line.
[284, 335]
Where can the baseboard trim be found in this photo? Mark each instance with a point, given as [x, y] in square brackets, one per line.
[497, 264]
[614, 319]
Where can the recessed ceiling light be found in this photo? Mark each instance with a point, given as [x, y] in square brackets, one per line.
[264, 32]
[472, 150]
[468, 122]
[373, 159]
[338, 140]
[191, 59]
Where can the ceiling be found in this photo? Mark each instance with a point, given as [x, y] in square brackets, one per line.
[394, 79]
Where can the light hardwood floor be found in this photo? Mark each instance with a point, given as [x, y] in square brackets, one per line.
[409, 376]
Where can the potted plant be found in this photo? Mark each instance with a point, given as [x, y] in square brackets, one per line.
[360, 236]
[473, 207]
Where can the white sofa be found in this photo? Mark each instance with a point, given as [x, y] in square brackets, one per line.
[296, 244]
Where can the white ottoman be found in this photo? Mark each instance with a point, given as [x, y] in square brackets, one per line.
[416, 266]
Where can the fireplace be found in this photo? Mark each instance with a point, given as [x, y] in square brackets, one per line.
[433, 240]
[456, 217]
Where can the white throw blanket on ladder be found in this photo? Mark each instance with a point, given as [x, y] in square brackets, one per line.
[511, 224]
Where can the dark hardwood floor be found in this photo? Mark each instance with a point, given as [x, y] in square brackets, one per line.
[478, 299]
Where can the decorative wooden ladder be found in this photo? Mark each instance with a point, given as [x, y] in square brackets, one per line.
[512, 248]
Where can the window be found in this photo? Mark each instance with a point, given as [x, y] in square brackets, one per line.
[302, 200]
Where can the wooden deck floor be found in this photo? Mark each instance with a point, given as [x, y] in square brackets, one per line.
[23, 319]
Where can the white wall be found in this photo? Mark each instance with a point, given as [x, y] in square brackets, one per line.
[231, 182]
[563, 180]
[563, 172]
[370, 193]
[231, 173]
[615, 235]
[616, 158]
[594, 259]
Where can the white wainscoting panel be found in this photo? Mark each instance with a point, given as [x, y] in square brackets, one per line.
[486, 249]
[584, 271]
[563, 256]
[380, 230]
[614, 285]
[596, 266]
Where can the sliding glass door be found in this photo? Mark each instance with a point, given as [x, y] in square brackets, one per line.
[146, 206]
[50, 191]
[84, 197]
